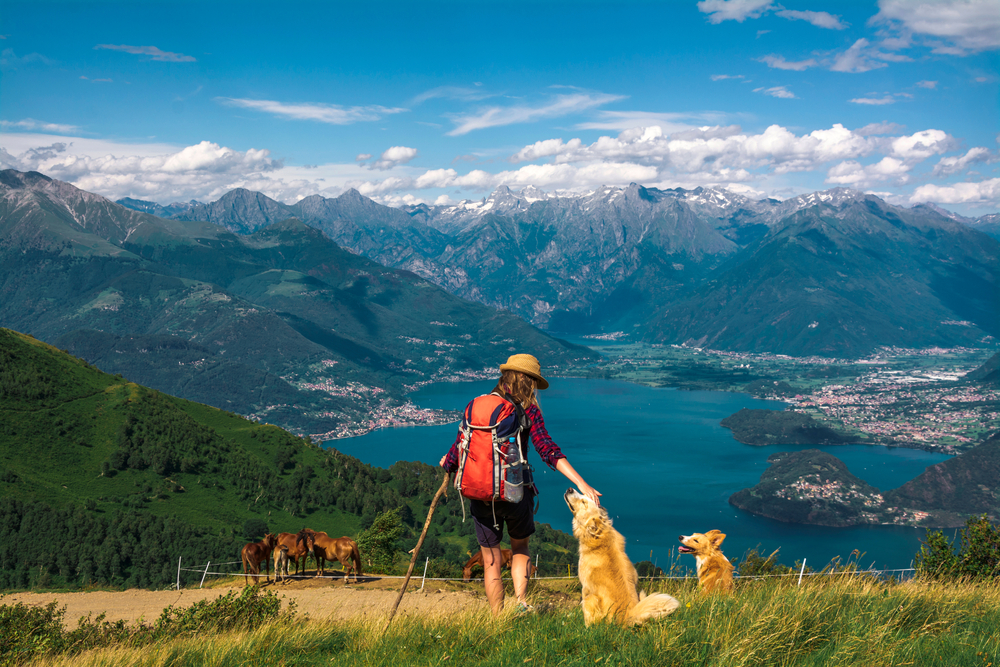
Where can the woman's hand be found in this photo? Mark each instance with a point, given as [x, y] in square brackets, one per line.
[590, 492]
[442, 460]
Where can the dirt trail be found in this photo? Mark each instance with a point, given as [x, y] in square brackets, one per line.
[321, 599]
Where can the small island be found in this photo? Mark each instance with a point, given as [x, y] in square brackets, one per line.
[775, 427]
[816, 488]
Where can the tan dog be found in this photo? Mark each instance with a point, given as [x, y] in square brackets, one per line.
[715, 572]
[608, 577]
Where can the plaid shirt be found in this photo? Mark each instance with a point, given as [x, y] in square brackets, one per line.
[540, 438]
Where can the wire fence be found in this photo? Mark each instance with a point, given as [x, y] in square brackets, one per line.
[205, 571]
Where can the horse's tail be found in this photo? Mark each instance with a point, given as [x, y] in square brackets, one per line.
[356, 555]
[247, 568]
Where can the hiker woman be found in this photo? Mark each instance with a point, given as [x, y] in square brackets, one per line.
[519, 379]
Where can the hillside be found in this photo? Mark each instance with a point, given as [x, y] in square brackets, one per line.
[816, 488]
[774, 427]
[130, 478]
[282, 324]
[988, 373]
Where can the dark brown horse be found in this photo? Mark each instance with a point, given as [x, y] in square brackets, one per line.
[344, 549]
[254, 554]
[506, 556]
[297, 548]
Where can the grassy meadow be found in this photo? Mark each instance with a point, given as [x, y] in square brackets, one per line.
[844, 620]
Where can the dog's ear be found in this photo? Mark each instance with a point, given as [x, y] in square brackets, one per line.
[716, 537]
[594, 527]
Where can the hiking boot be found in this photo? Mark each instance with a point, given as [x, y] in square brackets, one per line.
[523, 608]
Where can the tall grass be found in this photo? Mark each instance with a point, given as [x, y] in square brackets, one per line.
[830, 621]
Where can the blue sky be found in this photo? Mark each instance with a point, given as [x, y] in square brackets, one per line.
[442, 101]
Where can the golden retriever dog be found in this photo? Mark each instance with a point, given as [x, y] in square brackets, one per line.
[715, 572]
[608, 577]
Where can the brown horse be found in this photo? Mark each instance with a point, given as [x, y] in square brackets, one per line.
[506, 556]
[297, 548]
[344, 549]
[254, 554]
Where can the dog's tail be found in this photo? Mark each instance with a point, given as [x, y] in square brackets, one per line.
[653, 606]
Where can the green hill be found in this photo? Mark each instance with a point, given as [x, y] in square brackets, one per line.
[107, 481]
[775, 427]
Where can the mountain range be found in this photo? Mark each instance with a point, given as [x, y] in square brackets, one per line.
[281, 323]
[834, 273]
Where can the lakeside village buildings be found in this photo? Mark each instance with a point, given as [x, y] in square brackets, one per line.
[812, 488]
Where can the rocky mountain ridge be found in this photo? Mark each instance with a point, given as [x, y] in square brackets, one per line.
[647, 261]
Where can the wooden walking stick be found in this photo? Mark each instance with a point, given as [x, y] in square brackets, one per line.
[416, 550]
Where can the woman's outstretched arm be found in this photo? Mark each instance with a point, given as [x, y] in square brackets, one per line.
[563, 466]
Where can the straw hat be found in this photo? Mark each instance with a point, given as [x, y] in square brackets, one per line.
[527, 364]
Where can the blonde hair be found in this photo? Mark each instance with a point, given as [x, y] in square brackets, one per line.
[522, 388]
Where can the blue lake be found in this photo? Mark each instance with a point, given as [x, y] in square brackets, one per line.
[666, 467]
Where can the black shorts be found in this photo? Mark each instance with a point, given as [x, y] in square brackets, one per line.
[518, 517]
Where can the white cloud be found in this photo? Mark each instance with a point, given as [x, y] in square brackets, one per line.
[393, 157]
[733, 10]
[363, 157]
[625, 120]
[927, 84]
[152, 51]
[853, 174]
[818, 19]
[984, 192]
[11, 61]
[861, 57]
[148, 171]
[778, 62]
[560, 105]
[712, 149]
[30, 124]
[874, 101]
[947, 166]
[723, 77]
[969, 25]
[922, 145]
[884, 127]
[776, 91]
[546, 148]
[453, 93]
[332, 114]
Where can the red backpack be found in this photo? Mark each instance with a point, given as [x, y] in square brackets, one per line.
[490, 463]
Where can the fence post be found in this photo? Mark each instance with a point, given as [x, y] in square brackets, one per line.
[426, 563]
[204, 574]
[536, 566]
[178, 572]
[802, 570]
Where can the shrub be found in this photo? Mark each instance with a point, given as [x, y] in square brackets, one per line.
[27, 632]
[977, 553]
